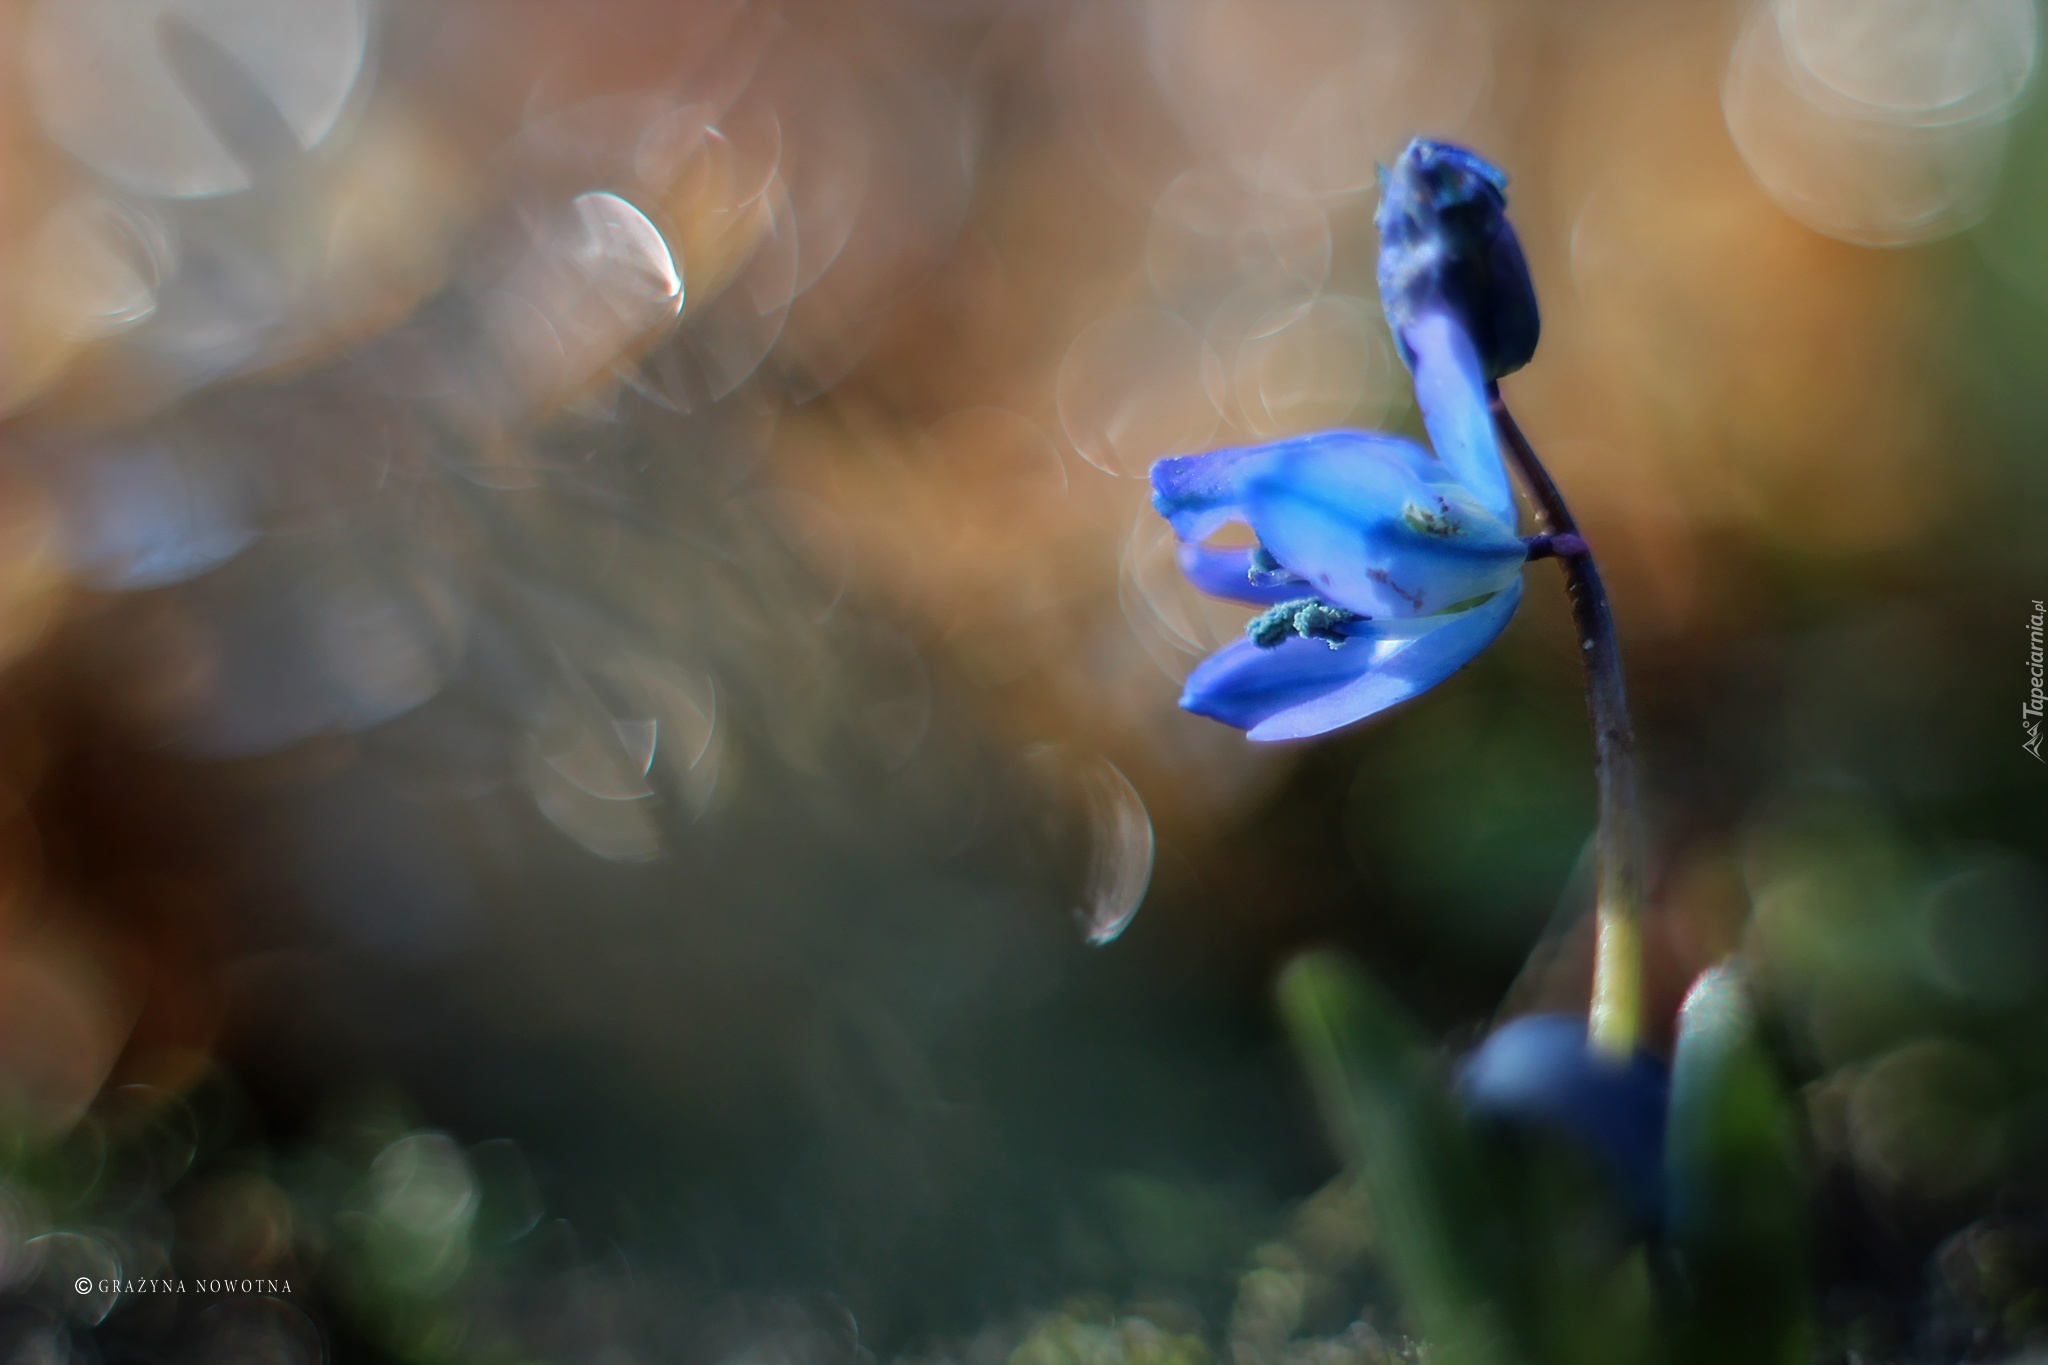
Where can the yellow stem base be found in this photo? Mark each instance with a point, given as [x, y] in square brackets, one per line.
[1617, 1014]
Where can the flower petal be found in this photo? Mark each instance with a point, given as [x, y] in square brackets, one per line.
[1401, 664]
[1450, 388]
[1372, 535]
[1226, 572]
[1243, 684]
[1201, 494]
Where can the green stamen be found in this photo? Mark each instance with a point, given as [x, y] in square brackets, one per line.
[1309, 617]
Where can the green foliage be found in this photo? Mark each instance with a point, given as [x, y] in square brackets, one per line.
[1071, 1338]
[1737, 1224]
[1508, 1249]
[1391, 1120]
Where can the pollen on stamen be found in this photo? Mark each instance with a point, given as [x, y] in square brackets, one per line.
[1309, 617]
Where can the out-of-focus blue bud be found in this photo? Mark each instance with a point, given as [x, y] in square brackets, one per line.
[1539, 1071]
[1446, 246]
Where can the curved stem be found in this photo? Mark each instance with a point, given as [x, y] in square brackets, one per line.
[1616, 1016]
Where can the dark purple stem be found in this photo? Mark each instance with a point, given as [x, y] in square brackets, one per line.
[1617, 985]
[1567, 546]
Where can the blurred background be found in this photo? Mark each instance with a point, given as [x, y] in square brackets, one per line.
[588, 754]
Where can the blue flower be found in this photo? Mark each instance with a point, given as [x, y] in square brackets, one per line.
[1539, 1072]
[1384, 568]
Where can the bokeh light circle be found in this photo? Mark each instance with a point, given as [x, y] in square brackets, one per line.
[1134, 387]
[1881, 124]
[105, 87]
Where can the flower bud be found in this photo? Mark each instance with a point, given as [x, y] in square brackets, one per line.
[1539, 1072]
[1446, 246]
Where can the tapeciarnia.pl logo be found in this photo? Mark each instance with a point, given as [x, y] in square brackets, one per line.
[2030, 710]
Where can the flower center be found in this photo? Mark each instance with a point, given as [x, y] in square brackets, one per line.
[1442, 522]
